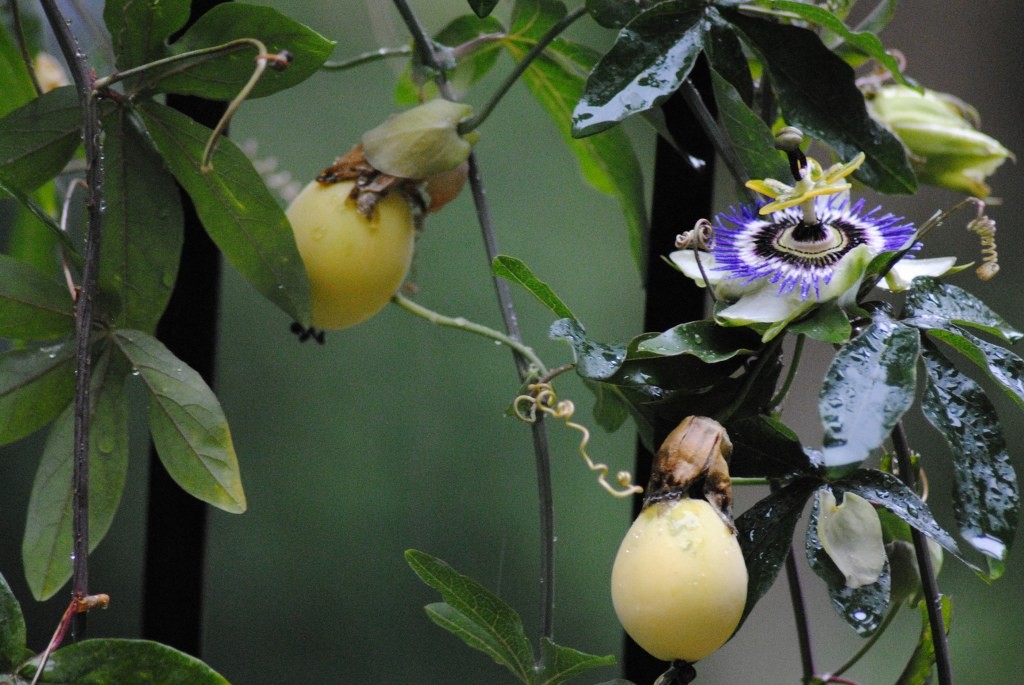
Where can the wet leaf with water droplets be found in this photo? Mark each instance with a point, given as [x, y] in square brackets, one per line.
[765, 534]
[46, 549]
[651, 57]
[934, 304]
[986, 499]
[867, 389]
[1002, 365]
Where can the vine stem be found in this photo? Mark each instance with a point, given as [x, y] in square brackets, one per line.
[472, 327]
[929, 584]
[81, 73]
[542, 457]
[803, 628]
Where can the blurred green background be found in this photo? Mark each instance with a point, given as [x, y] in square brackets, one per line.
[394, 435]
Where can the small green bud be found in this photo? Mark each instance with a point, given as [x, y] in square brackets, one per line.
[421, 141]
[939, 131]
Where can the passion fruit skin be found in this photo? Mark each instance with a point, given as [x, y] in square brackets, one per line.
[679, 582]
[354, 264]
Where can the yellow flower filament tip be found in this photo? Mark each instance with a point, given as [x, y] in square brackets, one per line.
[814, 181]
[544, 399]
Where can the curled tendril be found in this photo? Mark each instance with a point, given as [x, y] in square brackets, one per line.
[985, 228]
[543, 398]
[700, 237]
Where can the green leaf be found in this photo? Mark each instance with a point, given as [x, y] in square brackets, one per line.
[221, 76]
[415, 85]
[1003, 366]
[108, 661]
[765, 534]
[516, 271]
[879, 17]
[236, 209]
[764, 447]
[986, 499]
[868, 387]
[607, 161]
[750, 137]
[475, 614]
[39, 138]
[612, 14]
[46, 550]
[594, 360]
[889, 492]
[139, 28]
[142, 235]
[562, 663]
[802, 71]
[725, 52]
[934, 304]
[918, 670]
[15, 82]
[703, 339]
[188, 426]
[35, 385]
[827, 323]
[863, 41]
[142, 229]
[39, 212]
[651, 57]
[13, 635]
[862, 607]
[33, 306]
[610, 409]
[483, 7]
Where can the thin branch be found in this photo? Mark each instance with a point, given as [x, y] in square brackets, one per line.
[81, 73]
[803, 628]
[866, 647]
[26, 56]
[720, 142]
[929, 585]
[556, 30]
[366, 57]
[794, 364]
[542, 457]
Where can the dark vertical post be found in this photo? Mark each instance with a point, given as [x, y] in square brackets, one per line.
[682, 195]
[173, 574]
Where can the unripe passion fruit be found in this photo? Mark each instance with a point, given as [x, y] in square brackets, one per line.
[355, 264]
[679, 583]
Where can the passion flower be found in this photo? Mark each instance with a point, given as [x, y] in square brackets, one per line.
[812, 245]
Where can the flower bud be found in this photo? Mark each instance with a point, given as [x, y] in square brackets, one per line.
[940, 134]
[851, 535]
[422, 141]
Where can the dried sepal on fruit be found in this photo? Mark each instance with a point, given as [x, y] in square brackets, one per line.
[679, 581]
[696, 453]
[422, 141]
